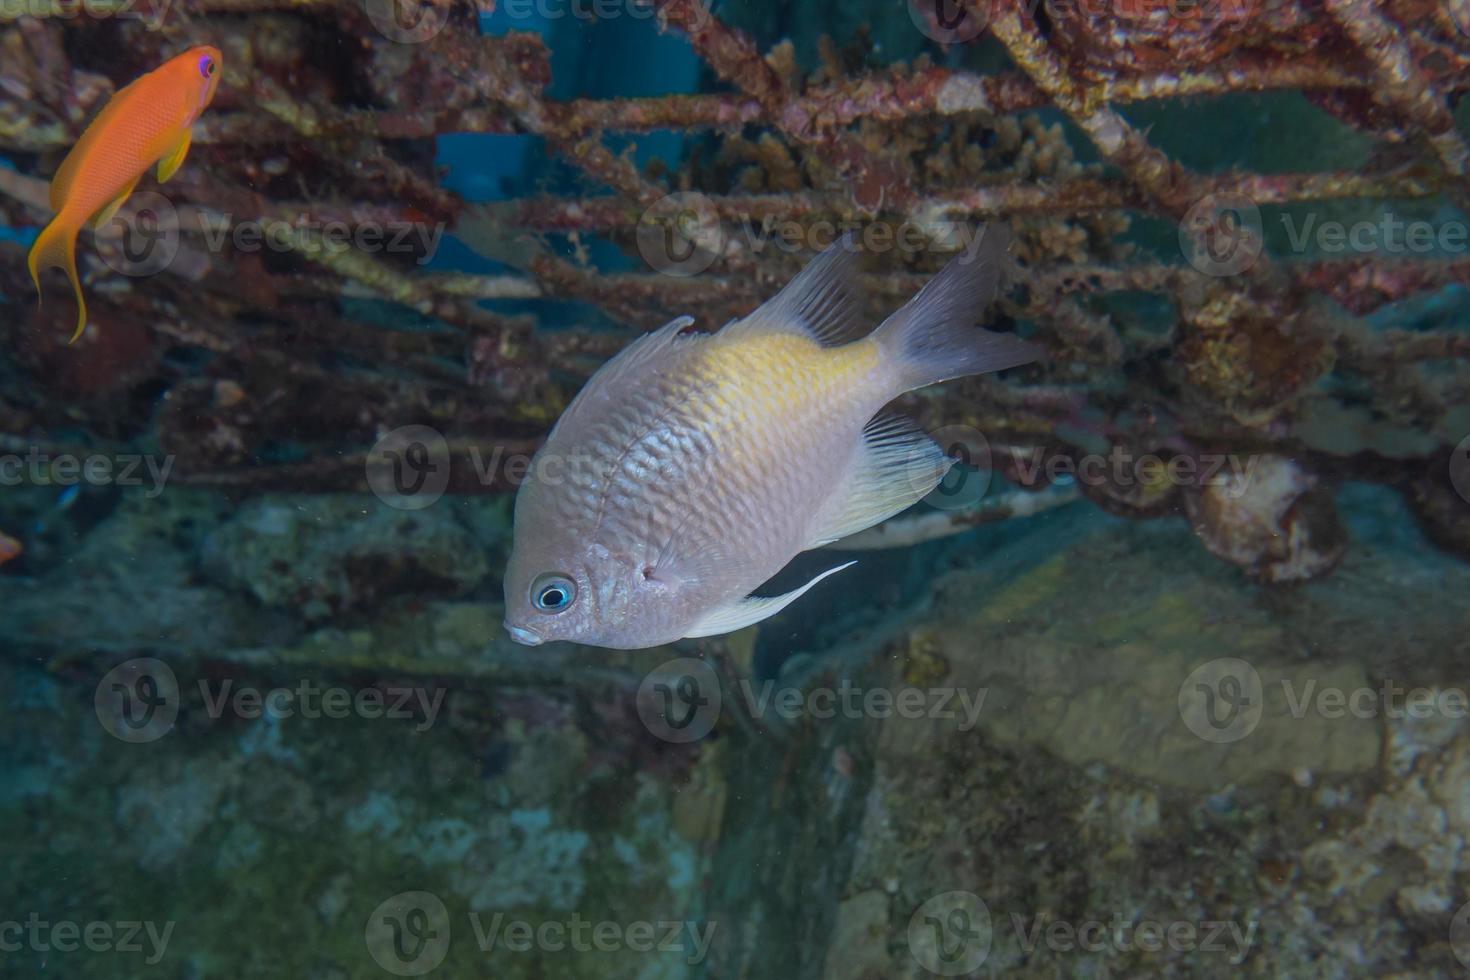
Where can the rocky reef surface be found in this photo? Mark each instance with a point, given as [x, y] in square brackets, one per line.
[1082, 747]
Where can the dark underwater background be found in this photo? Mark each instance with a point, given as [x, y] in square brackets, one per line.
[258, 713]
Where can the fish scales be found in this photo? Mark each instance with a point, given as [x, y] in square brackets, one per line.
[701, 464]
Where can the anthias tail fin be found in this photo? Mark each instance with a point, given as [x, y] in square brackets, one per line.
[934, 337]
[56, 248]
[744, 612]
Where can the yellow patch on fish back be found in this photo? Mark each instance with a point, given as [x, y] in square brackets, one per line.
[791, 369]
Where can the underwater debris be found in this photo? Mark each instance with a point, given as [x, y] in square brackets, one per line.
[1278, 523]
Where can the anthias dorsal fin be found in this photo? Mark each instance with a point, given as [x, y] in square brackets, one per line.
[823, 302]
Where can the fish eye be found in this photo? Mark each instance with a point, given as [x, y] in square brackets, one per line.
[553, 593]
[207, 66]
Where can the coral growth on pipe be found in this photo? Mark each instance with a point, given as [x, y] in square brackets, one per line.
[1258, 349]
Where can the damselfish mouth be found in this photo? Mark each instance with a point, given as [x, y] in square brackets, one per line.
[528, 637]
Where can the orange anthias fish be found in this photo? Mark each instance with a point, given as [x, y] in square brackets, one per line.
[9, 548]
[145, 123]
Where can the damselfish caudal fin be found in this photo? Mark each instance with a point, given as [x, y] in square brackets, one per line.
[933, 337]
[56, 247]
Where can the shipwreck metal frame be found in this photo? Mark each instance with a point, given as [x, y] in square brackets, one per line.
[1390, 68]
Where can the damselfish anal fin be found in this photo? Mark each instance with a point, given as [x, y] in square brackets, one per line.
[895, 467]
[752, 609]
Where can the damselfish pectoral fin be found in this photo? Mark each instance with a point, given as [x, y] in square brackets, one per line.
[895, 466]
[752, 609]
[110, 210]
[170, 164]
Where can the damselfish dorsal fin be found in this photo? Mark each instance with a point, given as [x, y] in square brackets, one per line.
[823, 302]
[627, 365]
[896, 466]
[752, 609]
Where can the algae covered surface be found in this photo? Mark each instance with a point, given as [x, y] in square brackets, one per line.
[1169, 677]
[1021, 759]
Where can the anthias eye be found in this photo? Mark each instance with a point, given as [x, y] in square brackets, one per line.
[206, 66]
[553, 593]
